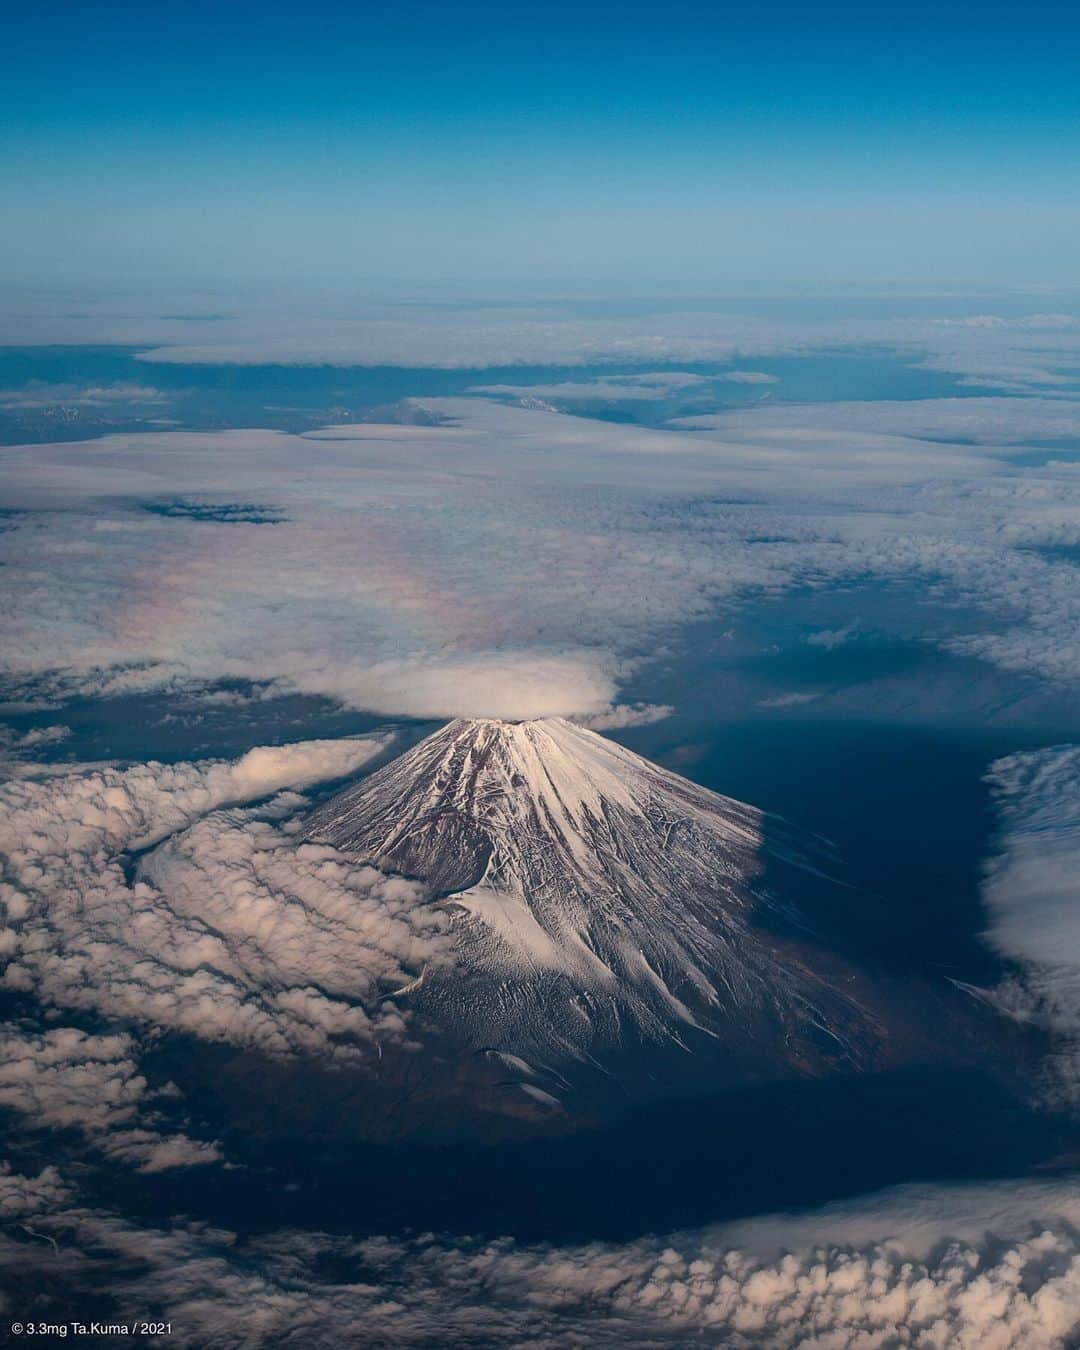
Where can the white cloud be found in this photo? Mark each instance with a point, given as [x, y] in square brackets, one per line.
[987, 421]
[514, 562]
[649, 385]
[994, 1267]
[627, 715]
[1026, 352]
[20, 1195]
[749, 377]
[65, 1079]
[509, 685]
[15, 748]
[793, 700]
[831, 638]
[644, 387]
[1016, 354]
[36, 396]
[229, 931]
[1022, 352]
[1031, 894]
[51, 735]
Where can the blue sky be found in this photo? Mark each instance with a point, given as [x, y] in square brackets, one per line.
[422, 140]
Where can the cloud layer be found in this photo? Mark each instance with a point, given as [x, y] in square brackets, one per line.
[227, 930]
[987, 421]
[510, 562]
[1025, 352]
[65, 1079]
[985, 1268]
[1030, 892]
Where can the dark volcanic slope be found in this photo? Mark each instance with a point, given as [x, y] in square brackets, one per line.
[602, 905]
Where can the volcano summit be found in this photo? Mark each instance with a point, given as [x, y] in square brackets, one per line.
[610, 915]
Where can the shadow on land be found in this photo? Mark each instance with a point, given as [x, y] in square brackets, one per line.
[667, 1166]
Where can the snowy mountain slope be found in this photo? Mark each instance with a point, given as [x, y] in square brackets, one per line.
[602, 904]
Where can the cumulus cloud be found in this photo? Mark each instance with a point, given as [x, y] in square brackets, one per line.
[21, 1194]
[66, 1079]
[16, 748]
[994, 1267]
[228, 930]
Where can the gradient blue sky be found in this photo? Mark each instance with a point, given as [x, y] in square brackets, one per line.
[421, 140]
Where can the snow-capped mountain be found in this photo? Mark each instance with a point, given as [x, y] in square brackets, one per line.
[603, 905]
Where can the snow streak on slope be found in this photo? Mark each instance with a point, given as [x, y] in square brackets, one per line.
[599, 901]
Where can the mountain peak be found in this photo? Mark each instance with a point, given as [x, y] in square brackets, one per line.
[599, 901]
